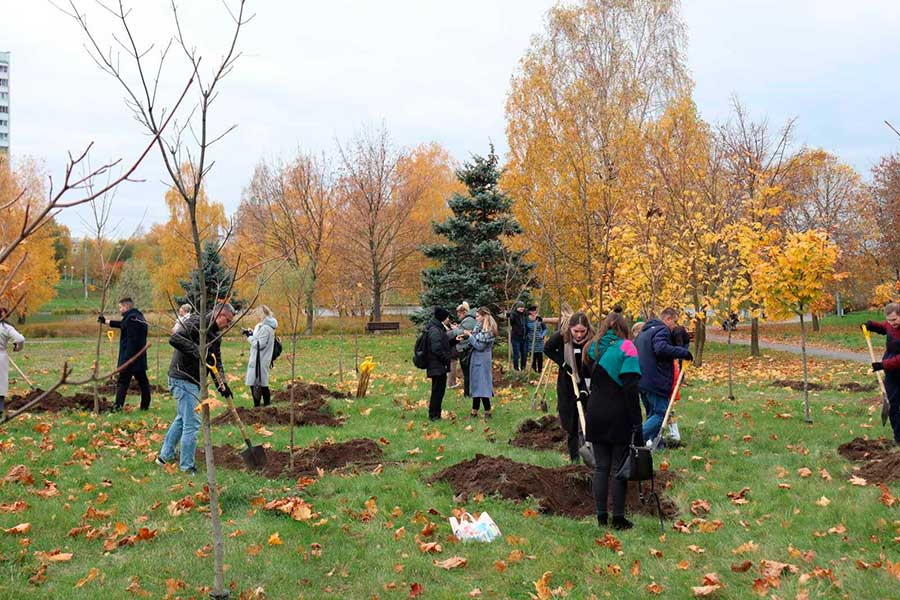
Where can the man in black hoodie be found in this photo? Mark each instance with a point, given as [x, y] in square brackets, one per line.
[133, 339]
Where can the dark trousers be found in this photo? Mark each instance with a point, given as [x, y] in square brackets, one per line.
[438, 387]
[464, 367]
[477, 401]
[519, 352]
[607, 458]
[892, 386]
[125, 381]
[537, 362]
[261, 392]
[568, 420]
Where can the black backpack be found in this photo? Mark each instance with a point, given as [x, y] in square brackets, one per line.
[276, 351]
[420, 354]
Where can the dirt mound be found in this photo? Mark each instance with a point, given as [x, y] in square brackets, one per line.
[306, 392]
[797, 385]
[855, 387]
[133, 389]
[313, 413]
[55, 402]
[883, 469]
[560, 491]
[307, 461]
[861, 449]
[545, 434]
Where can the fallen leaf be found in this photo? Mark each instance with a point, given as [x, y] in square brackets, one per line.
[745, 548]
[855, 480]
[823, 501]
[19, 529]
[91, 575]
[414, 590]
[542, 586]
[53, 556]
[609, 541]
[804, 472]
[451, 563]
[742, 567]
[275, 539]
[654, 588]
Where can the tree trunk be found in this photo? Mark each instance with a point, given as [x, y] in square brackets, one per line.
[730, 365]
[815, 322]
[839, 304]
[806, 417]
[699, 342]
[310, 312]
[754, 337]
[376, 296]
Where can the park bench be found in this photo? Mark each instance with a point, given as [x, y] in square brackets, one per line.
[374, 326]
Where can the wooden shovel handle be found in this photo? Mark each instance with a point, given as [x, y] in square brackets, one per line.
[237, 418]
[578, 406]
[878, 374]
[672, 398]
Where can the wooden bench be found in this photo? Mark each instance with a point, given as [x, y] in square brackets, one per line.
[374, 326]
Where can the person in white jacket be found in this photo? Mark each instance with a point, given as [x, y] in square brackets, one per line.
[10, 339]
[262, 345]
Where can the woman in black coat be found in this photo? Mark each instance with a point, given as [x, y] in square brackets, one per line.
[613, 413]
[565, 349]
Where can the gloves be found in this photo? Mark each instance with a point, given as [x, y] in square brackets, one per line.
[225, 391]
[101, 319]
[246, 332]
[689, 357]
[877, 366]
[583, 395]
[567, 368]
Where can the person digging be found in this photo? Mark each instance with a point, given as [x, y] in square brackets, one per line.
[890, 362]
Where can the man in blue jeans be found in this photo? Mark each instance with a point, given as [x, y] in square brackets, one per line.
[657, 353]
[184, 377]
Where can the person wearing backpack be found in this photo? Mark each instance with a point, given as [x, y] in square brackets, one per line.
[436, 359]
[613, 412]
[262, 348]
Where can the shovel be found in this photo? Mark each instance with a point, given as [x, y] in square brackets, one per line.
[674, 395]
[585, 451]
[254, 456]
[885, 406]
[22, 373]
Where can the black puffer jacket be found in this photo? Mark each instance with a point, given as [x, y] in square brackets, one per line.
[132, 340]
[438, 349]
[186, 359]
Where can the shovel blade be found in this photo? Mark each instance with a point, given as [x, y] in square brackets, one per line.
[254, 457]
[586, 452]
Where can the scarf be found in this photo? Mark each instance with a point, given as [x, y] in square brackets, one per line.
[615, 355]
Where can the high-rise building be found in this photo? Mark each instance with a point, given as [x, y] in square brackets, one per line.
[4, 103]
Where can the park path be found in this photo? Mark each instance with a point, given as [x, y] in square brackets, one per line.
[847, 355]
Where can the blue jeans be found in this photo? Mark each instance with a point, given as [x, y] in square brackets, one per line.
[186, 424]
[656, 406]
[519, 352]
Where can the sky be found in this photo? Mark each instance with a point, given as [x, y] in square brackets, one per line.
[313, 74]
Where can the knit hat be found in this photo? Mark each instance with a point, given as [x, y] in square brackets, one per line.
[440, 314]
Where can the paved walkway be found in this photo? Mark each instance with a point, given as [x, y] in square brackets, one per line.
[847, 355]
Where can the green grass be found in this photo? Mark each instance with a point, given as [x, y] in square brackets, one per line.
[728, 446]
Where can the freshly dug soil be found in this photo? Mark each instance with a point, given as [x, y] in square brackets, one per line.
[133, 389]
[862, 450]
[305, 392]
[880, 458]
[560, 491]
[855, 387]
[55, 402]
[360, 452]
[544, 434]
[311, 413]
[797, 385]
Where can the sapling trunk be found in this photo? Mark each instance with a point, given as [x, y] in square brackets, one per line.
[806, 416]
[730, 365]
[754, 337]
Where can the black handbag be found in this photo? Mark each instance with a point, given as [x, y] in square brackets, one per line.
[637, 464]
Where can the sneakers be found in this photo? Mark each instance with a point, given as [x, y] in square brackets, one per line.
[674, 434]
[621, 523]
[603, 519]
[160, 461]
[190, 471]
[487, 414]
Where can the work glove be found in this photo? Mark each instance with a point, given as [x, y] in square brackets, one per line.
[568, 368]
[689, 357]
[225, 391]
[246, 332]
[583, 396]
[101, 319]
[877, 366]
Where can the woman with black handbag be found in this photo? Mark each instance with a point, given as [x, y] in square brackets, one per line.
[613, 412]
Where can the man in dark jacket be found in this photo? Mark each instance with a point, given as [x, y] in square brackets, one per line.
[184, 382]
[133, 339]
[438, 360]
[518, 338]
[890, 362]
[657, 354]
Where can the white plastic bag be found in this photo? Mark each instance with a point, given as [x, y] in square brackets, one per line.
[468, 528]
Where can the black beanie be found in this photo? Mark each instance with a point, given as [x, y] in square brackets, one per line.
[440, 314]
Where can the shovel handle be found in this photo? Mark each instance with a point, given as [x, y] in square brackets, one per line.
[577, 391]
[237, 419]
[878, 374]
[672, 398]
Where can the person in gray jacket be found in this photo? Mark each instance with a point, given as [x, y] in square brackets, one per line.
[262, 345]
[466, 323]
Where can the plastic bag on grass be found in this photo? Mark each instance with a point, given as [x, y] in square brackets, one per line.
[468, 528]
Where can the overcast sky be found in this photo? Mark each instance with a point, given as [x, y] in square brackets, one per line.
[316, 72]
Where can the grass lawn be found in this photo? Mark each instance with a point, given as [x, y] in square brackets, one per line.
[839, 536]
[836, 332]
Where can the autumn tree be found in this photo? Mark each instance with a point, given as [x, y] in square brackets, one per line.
[377, 200]
[792, 277]
[886, 193]
[584, 92]
[475, 264]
